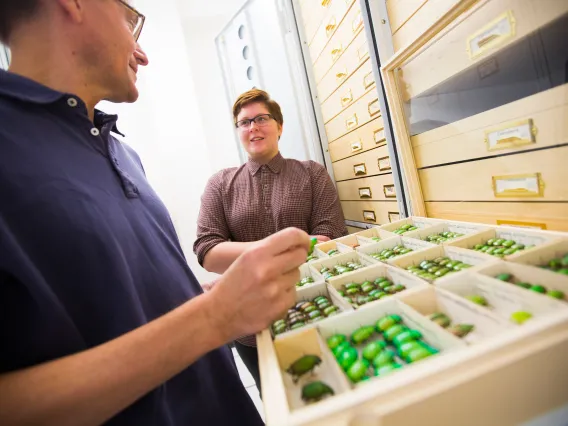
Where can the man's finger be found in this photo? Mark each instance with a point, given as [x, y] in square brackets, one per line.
[285, 240]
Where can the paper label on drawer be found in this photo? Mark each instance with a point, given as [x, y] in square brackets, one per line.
[360, 169]
[394, 216]
[365, 192]
[356, 146]
[491, 35]
[384, 163]
[379, 135]
[515, 224]
[369, 215]
[516, 134]
[513, 186]
[389, 191]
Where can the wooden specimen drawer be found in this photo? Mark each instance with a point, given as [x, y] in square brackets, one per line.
[370, 136]
[372, 188]
[313, 14]
[349, 28]
[354, 229]
[355, 54]
[333, 19]
[550, 216]
[375, 212]
[536, 175]
[486, 29]
[370, 163]
[351, 91]
[534, 122]
[356, 115]
[409, 19]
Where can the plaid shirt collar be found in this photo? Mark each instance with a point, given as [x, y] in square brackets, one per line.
[275, 165]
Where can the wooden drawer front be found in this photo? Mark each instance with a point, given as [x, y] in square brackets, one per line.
[363, 165]
[313, 15]
[356, 115]
[551, 216]
[370, 136]
[355, 87]
[372, 188]
[350, 27]
[331, 24]
[375, 212]
[413, 25]
[487, 29]
[400, 11]
[354, 230]
[355, 54]
[534, 122]
[537, 175]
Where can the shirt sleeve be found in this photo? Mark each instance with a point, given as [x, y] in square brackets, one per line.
[327, 217]
[212, 227]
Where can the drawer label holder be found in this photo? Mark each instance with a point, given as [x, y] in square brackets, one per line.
[517, 224]
[511, 135]
[379, 136]
[365, 192]
[360, 169]
[369, 216]
[518, 186]
[389, 191]
[393, 216]
[491, 35]
[356, 146]
[384, 163]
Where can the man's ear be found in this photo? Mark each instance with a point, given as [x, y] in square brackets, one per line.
[74, 9]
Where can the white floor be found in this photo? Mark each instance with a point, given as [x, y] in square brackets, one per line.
[248, 382]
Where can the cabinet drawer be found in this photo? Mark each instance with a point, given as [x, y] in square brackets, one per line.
[375, 212]
[330, 25]
[355, 87]
[370, 163]
[356, 53]
[370, 136]
[485, 30]
[356, 115]
[534, 122]
[354, 229]
[408, 24]
[400, 11]
[550, 216]
[313, 14]
[372, 188]
[537, 175]
[349, 28]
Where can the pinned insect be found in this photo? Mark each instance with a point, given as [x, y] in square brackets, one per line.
[315, 391]
[302, 366]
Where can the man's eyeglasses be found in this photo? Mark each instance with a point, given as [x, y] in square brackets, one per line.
[134, 18]
[260, 120]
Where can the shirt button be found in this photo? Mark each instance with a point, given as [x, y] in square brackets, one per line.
[95, 131]
[265, 186]
[72, 102]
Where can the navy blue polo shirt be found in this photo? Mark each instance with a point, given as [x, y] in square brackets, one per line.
[88, 252]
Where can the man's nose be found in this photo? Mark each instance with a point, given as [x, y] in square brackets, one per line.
[140, 56]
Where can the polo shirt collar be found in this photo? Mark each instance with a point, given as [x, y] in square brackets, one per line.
[26, 90]
[275, 165]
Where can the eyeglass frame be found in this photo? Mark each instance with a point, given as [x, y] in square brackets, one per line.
[136, 33]
[251, 120]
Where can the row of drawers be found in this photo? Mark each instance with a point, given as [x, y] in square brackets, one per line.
[370, 163]
[552, 216]
[321, 19]
[489, 28]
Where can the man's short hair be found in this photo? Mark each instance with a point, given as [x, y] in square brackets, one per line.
[12, 12]
[258, 96]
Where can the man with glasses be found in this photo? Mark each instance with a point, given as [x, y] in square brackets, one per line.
[101, 319]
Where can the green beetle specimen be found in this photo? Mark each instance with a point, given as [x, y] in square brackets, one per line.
[347, 358]
[358, 370]
[383, 358]
[461, 330]
[386, 322]
[313, 242]
[373, 349]
[407, 336]
[387, 368]
[315, 391]
[343, 346]
[441, 319]
[480, 300]
[362, 334]
[418, 354]
[335, 340]
[394, 331]
[302, 366]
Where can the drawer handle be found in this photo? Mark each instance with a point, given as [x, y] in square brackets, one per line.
[491, 35]
[336, 53]
[330, 27]
[384, 163]
[340, 76]
[518, 186]
[360, 169]
[356, 146]
[379, 136]
[511, 135]
[518, 224]
[347, 98]
[368, 80]
[363, 52]
[325, 3]
[373, 108]
[369, 216]
[365, 192]
[389, 191]
[357, 22]
[351, 122]
[394, 216]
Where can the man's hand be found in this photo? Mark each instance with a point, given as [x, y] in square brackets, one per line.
[321, 238]
[260, 286]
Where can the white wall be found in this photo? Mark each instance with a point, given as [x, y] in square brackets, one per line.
[165, 125]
